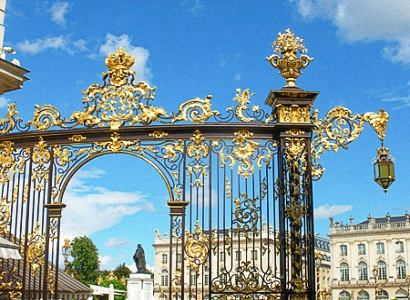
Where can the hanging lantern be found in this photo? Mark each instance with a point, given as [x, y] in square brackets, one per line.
[384, 168]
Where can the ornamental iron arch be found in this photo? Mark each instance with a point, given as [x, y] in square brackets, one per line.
[239, 180]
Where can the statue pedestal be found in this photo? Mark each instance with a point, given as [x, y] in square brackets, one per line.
[140, 287]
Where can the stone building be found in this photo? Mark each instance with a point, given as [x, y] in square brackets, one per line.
[370, 259]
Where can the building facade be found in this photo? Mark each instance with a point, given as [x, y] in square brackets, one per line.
[370, 259]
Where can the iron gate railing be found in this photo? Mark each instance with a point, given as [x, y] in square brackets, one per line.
[239, 182]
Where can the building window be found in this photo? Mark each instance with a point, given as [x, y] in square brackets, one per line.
[401, 269]
[238, 255]
[164, 258]
[164, 278]
[179, 257]
[381, 270]
[361, 249]
[254, 255]
[344, 272]
[363, 275]
[344, 296]
[206, 277]
[380, 248]
[399, 247]
[343, 250]
[192, 278]
[221, 256]
[363, 295]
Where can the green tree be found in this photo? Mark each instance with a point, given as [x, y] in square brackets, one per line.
[85, 263]
[122, 271]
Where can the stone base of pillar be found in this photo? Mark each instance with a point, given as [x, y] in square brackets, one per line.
[140, 287]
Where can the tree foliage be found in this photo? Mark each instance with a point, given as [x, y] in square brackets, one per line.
[85, 263]
[118, 285]
[122, 271]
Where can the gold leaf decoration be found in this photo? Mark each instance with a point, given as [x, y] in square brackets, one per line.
[46, 117]
[196, 248]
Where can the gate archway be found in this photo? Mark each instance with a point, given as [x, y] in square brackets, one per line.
[239, 182]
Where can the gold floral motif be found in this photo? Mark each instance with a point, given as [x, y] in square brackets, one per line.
[115, 145]
[148, 114]
[34, 250]
[295, 152]
[62, 155]
[338, 129]
[195, 110]
[196, 170]
[17, 285]
[293, 113]
[243, 151]
[295, 132]
[299, 289]
[243, 99]
[247, 280]
[77, 138]
[378, 122]
[4, 216]
[289, 64]
[7, 161]
[171, 150]
[51, 280]
[86, 117]
[196, 248]
[246, 216]
[295, 212]
[158, 134]
[198, 149]
[8, 124]
[41, 154]
[176, 283]
[120, 101]
[46, 117]
[53, 226]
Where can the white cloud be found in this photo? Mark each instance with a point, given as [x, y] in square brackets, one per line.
[58, 11]
[117, 242]
[238, 77]
[326, 211]
[106, 262]
[404, 101]
[61, 42]
[368, 20]
[4, 102]
[97, 208]
[140, 54]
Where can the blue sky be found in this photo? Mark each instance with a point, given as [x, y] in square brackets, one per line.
[193, 48]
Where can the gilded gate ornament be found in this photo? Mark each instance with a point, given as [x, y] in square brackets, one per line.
[196, 248]
[35, 250]
[9, 123]
[340, 128]
[246, 216]
[288, 46]
[243, 152]
[206, 158]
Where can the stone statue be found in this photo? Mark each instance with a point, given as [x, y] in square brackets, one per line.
[139, 258]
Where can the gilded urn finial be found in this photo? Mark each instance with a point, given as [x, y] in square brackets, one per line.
[287, 46]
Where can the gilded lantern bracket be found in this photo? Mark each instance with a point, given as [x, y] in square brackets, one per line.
[340, 128]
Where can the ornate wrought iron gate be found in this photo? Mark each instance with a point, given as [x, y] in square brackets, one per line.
[239, 184]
